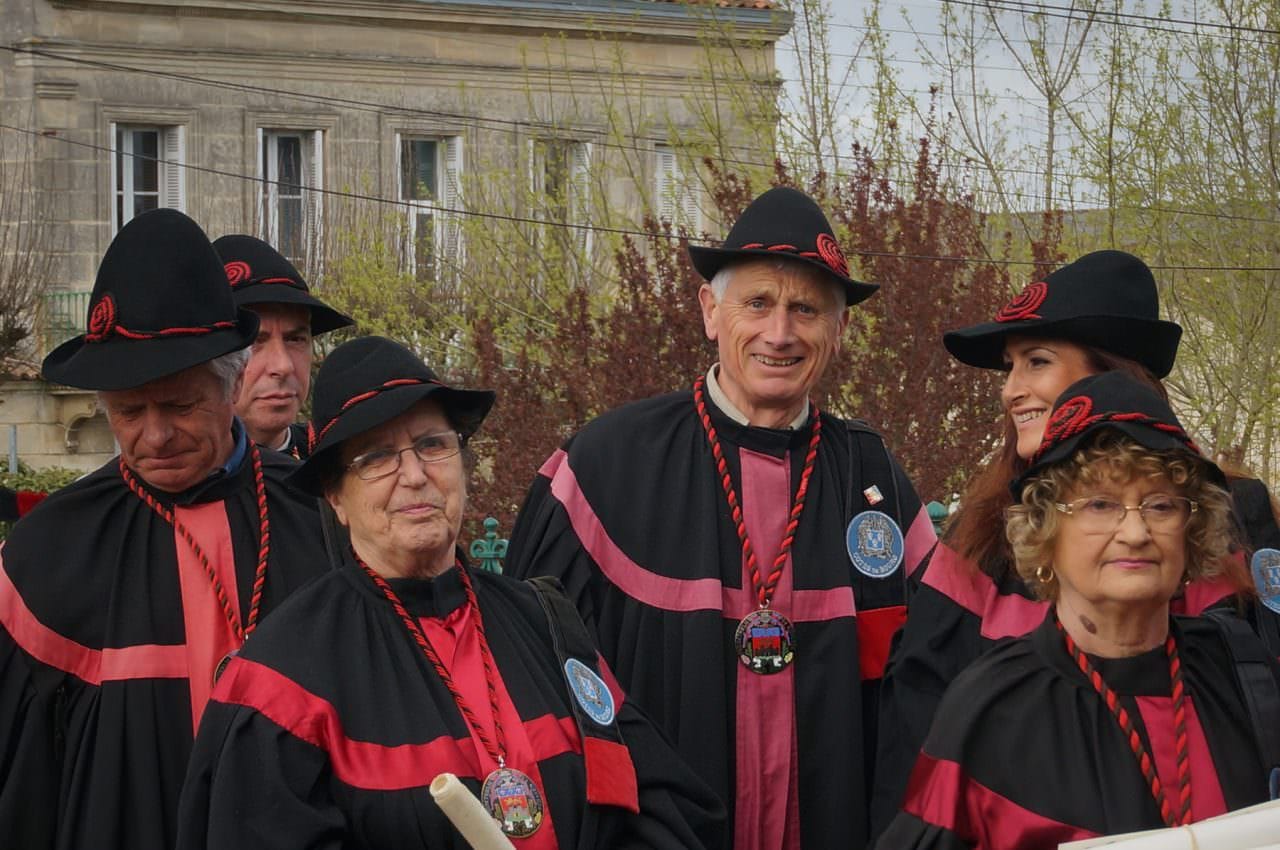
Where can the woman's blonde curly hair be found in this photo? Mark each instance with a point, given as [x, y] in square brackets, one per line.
[1032, 525]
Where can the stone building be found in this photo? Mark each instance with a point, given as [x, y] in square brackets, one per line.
[280, 118]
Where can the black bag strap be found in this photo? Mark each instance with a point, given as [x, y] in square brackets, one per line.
[874, 467]
[872, 456]
[1254, 673]
[336, 540]
[611, 776]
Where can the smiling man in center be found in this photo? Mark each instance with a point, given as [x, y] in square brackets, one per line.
[739, 554]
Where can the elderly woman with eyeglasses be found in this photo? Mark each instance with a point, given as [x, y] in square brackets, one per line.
[1112, 716]
[404, 663]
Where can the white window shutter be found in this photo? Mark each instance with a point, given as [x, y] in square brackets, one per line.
[264, 229]
[580, 195]
[115, 178]
[666, 182]
[401, 190]
[689, 211]
[402, 195]
[451, 200]
[314, 203]
[173, 152]
[537, 173]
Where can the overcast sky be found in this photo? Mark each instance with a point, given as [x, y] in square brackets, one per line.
[912, 29]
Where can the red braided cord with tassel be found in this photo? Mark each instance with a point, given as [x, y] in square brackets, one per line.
[264, 545]
[496, 750]
[1173, 817]
[763, 589]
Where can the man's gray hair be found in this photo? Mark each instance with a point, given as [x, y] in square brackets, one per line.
[228, 368]
[720, 282]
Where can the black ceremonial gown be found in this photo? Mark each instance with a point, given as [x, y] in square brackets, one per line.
[1024, 754]
[959, 611]
[326, 732]
[631, 515]
[111, 631]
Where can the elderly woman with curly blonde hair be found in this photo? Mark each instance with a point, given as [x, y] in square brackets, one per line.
[1112, 716]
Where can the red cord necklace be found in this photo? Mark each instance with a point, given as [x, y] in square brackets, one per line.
[765, 639]
[509, 795]
[264, 549]
[1173, 816]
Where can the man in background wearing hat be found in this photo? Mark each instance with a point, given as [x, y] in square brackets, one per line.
[123, 594]
[278, 375]
[739, 555]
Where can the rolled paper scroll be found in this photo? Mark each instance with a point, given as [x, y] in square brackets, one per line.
[1254, 828]
[464, 811]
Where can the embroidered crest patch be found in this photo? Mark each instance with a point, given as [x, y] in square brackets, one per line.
[590, 691]
[875, 544]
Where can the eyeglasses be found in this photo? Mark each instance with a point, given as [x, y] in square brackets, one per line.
[1100, 515]
[429, 448]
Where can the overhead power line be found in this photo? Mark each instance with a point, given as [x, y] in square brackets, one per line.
[470, 213]
[1150, 23]
[1078, 12]
[508, 125]
[1117, 16]
[511, 125]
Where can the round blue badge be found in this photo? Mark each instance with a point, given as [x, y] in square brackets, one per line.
[875, 544]
[1266, 577]
[590, 691]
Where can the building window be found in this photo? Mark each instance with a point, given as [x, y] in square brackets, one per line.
[560, 174]
[146, 170]
[291, 167]
[677, 196]
[428, 171]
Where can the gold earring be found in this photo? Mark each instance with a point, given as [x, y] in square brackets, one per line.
[1044, 574]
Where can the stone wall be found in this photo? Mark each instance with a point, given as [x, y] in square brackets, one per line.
[493, 72]
[56, 426]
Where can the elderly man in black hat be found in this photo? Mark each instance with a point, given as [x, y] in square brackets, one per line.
[740, 555]
[122, 596]
[278, 375]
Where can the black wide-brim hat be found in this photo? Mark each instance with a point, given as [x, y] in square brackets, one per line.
[370, 381]
[784, 222]
[259, 274]
[1110, 401]
[160, 304]
[1106, 299]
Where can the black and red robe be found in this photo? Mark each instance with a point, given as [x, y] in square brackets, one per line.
[1024, 754]
[109, 635]
[15, 504]
[631, 515]
[956, 614]
[327, 730]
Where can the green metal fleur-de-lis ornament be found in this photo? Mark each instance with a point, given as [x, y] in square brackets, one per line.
[489, 551]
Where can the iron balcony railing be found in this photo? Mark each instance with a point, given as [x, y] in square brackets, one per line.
[62, 316]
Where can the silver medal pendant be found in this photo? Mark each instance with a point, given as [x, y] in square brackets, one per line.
[765, 641]
[512, 798]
